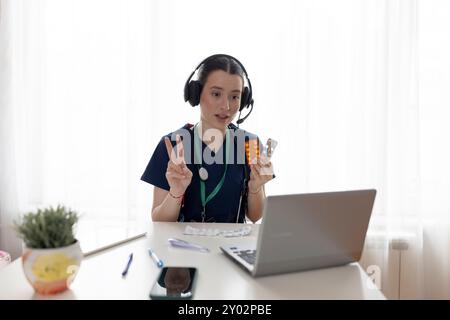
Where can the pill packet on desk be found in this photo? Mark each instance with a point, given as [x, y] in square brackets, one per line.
[240, 232]
[211, 232]
[201, 231]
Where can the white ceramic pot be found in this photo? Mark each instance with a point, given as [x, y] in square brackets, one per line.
[52, 271]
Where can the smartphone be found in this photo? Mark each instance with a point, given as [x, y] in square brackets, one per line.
[174, 283]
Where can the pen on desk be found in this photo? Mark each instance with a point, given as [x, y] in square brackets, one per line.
[155, 258]
[130, 258]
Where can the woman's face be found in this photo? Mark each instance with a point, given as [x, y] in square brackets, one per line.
[220, 99]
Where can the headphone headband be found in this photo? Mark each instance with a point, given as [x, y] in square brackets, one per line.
[225, 56]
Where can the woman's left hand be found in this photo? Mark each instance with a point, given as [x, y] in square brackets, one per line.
[261, 173]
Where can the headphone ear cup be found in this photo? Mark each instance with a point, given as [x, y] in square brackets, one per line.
[192, 92]
[186, 91]
[245, 98]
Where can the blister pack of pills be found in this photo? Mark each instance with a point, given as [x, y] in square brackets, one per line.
[240, 232]
[212, 232]
[269, 148]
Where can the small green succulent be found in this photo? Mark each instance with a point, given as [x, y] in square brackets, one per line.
[48, 228]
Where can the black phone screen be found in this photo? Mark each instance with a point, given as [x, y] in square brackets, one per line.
[174, 283]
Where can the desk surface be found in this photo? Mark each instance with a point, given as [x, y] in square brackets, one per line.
[218, 277]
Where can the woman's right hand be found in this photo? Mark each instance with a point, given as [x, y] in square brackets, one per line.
[178, 174]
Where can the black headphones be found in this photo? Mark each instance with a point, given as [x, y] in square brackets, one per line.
[193, 88]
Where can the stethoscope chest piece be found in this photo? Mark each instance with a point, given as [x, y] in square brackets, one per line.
[203, 173]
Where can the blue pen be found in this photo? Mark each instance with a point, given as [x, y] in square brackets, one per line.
[124, 273]
[155, 258]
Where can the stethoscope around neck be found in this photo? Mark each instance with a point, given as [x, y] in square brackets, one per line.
[203, 172]
[198, 159]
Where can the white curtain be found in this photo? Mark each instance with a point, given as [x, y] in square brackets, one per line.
[434, 101]
[78, 124]
[356, 93]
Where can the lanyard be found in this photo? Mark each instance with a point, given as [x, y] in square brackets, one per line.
[197, 155]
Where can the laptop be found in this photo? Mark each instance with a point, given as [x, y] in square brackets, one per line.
[307, 231]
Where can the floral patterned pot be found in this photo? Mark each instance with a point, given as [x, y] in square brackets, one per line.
[51, 271]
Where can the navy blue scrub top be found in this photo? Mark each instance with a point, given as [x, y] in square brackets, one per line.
[224, 206]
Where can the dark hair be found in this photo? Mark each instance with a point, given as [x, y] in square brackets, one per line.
[219, 63]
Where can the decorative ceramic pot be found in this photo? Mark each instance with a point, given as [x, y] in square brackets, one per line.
[52, 271]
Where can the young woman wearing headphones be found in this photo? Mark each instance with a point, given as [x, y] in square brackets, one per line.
[209, 176]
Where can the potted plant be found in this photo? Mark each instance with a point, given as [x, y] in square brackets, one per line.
[51, 255]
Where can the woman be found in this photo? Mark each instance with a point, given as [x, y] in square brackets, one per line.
[207, 178]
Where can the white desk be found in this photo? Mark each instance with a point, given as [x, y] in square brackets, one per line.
[218, 277]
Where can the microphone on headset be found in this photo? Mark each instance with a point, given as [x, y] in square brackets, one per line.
[239, 121]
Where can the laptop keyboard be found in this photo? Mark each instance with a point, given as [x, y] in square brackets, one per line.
[248, 255]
